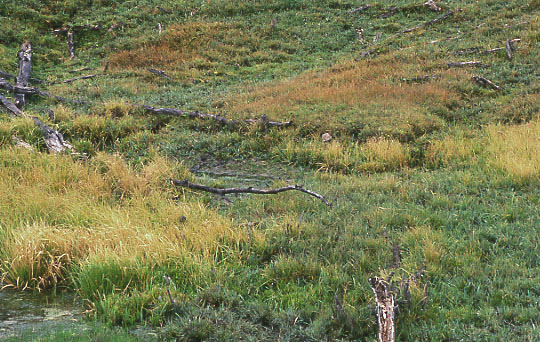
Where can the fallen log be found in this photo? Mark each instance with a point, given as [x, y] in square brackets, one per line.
[250, 190]
[385, 307]
[25, 68]
[222, 120]
[484, 82]
[14, 78]
[53, 139]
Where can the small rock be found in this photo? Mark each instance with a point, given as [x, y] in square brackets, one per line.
[326, 137]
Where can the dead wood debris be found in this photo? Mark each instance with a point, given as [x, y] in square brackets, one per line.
[385, 307]
[484, 82]
[428, 23]
[25, 68]
[79, 78]
[263, 121]
[360, 9]
[250, 190]
[70, 45]
[419, 79]
[33, 90]
[465, 64]
[160, 73]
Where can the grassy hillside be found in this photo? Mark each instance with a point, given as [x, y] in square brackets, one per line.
[422, 157]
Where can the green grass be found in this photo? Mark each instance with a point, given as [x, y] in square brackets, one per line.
[444, 168]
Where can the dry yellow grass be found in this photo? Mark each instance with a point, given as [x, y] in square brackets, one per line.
[71, 212]
[515, 149]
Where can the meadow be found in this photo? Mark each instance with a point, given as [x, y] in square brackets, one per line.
[422, 160]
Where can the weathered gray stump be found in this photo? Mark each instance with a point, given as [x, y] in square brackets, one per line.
[25, 69]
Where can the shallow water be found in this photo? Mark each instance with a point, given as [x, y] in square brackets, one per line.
[23, 311]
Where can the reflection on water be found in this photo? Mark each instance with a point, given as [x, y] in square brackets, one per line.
[27, 310]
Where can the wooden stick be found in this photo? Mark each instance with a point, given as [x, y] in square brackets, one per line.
[385, 306]
[196, 115]
[509, 47]
[484, 82]
[250, 190]
[14, 78]
[25, 68]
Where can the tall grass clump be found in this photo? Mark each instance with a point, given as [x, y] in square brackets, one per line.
[515, 150]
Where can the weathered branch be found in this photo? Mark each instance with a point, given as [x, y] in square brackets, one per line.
[484, 82]
[360, 9]
[159, 73]
[222, 120]
[53, 139]
[14, 78]
[250, 190]
[419, 79]
[76, 28]
[79, 78]
[428, 23]
[385, 306]
[32, 90]
[470, 63]
[25, 68]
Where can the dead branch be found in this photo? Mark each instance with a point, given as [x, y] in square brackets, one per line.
[484, 82]
[163, 10]
[250, 190]
[76, 28]
[14, 78]
[25, 68]
[419, 79]
[196, 115]
[53, 139]
[79, 70]
[396, 252]
[385, 306]
[433, 6]
[79, 78]
[70, 44]
[509, 47]
[470, 63]
[160, 73]
[360, 9]
[33, 90]
[428, 23]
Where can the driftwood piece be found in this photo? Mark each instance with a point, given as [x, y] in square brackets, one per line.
[79, 78]
[509, 47]
[160, 73]
[196, 115]
[33, 90]
[385, 307]
[250, 190]
[464, 64]
[484, 82]
[70, 44]
[25, 68]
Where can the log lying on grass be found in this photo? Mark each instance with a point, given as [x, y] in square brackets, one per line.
[222, 120]
[53, 139]
[250, 190]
